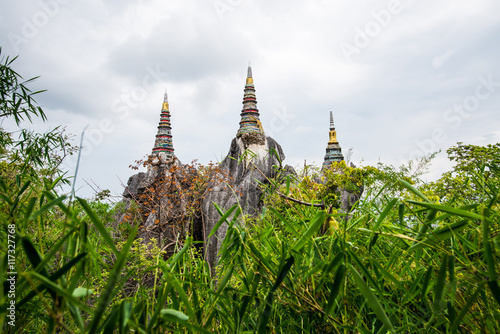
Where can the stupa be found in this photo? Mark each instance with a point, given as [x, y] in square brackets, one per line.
[163, 149]
[250, 130]
[333, 150]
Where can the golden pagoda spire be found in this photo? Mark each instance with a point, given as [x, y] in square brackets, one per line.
[333, 133]
[249, 75]
[165, 101]
[333, 150]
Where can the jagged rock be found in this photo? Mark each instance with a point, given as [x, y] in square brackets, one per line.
[247, 164]
[136, 184]
[163, 197]
[347, 199]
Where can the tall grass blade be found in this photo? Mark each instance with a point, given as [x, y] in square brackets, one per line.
[99, 225]
[443, 208]
[371, 299]
[379, 221]
[111, 286]
[47, 207]
[334, 291]
[465, 309]
[317, 222]
[54, 277]
[414, 190]
[439, 286]
[440, 235]
[283, 272]
[222, 219]
[489, 254]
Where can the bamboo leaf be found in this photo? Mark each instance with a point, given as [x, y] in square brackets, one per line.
[283, 272]
[465, 309]
[59, 290]
[179, 254]
[99, 225]
[379, 221]
[317, 222]
[266, 313]
[334, 291]
[371, 299]
[169, 313]
[457, 212]
[82, 292]
[54, 277]
[440, 235]
[414, 190]
[47, 207]
[439, 286]
[222, 219]
[111, 287]
[29, 209]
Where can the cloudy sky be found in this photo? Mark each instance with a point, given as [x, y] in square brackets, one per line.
[403, 78]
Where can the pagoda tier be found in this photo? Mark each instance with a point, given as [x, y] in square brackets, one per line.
[163, 144]
[333, 150]
[250, 122]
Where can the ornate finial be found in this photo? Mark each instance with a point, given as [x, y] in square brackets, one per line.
[332, 126]
[249, 75]
[165, 101]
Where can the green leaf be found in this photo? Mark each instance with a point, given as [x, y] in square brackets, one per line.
[54, 277]
[283, 272]
[169, 313]
[99, 225]
[222, 219]
[334, 291]
[439, 286]
[111, 287]
[371, 299]
[456, 212]
[317, 222]
[413, 190]
[29, 209]
[175, 259]
[47, 207]
[379, 221]
[82, 292]
[59, 290]
[465, 309]
[266, 313]
[439, 235]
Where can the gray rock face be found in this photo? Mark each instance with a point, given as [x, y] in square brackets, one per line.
[165, 203]
[347, 199]
[137, 184]
[247, 163]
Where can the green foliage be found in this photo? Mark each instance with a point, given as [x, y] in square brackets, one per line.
[474, 177]
[338, 176]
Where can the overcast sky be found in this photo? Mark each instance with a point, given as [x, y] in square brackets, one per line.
[403, 78]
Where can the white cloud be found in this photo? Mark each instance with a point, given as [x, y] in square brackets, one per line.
[438, 61]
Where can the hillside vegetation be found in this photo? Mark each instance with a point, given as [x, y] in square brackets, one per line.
[410, 257]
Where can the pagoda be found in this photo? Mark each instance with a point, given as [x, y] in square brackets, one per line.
[250, 125]
[333, 150]
[163, 149]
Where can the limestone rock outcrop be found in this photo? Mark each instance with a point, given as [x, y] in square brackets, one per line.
[248, 163]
